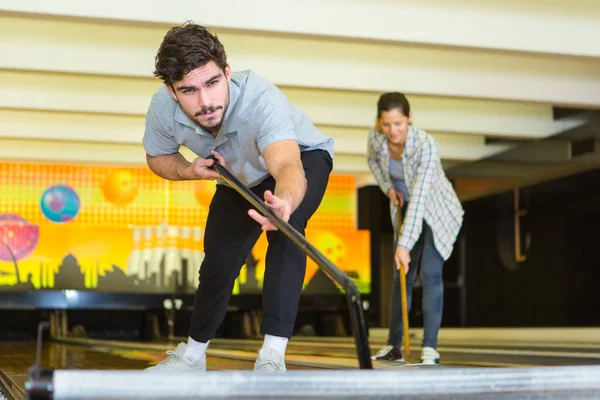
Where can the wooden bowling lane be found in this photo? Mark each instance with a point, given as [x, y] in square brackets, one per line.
[481, 354]
[217, 358]
[17, 357]
[231, 356]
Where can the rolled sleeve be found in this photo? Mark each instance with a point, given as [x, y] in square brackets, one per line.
[274, 118]
[271, 132]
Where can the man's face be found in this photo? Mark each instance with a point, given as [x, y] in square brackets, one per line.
[203, 95]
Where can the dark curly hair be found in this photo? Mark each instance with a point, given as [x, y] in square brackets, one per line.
[185, 48]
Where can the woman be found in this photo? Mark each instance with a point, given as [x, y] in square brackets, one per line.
[406, 164]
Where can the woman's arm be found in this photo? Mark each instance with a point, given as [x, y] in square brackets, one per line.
[419, 195]
[384, 182]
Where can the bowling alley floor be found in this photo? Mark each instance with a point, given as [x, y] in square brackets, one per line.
[16, 358]
[463, 348]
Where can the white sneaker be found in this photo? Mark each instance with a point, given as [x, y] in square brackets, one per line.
[269, 360]
[177, 363]
[429, 355]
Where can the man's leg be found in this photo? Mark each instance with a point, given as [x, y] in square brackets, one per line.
[229, 237]
[286, 263]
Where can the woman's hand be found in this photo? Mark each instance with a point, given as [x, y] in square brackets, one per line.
[402, 259]
[396, 197]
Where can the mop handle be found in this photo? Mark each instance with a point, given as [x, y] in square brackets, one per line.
[406, 335]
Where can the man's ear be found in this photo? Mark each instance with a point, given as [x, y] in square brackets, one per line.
[228, 72]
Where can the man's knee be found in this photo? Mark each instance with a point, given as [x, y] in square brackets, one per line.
[219, 264]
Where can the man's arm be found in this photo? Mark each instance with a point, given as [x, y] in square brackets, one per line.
[170, 166]
[285, 166]
[175, 167]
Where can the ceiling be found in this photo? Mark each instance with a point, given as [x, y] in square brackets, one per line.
[527, 162]
[506, 88]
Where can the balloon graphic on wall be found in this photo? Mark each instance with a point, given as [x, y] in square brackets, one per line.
[204, 191]
[120, 187]
[60, 203]
[18, 238]
[331, 246]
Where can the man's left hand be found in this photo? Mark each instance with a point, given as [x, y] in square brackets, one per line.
[280, 207]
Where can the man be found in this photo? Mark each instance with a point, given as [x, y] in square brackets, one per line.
[270, 145]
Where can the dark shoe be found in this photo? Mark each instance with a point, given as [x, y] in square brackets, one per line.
[389, 353]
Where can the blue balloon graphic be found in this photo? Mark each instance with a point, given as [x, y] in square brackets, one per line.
[60, 203]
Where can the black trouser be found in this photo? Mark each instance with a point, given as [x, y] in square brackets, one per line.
[230, 236]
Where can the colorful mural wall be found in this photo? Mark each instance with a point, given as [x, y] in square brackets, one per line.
[124, 229]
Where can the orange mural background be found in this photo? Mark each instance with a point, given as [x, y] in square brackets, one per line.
[120, 228]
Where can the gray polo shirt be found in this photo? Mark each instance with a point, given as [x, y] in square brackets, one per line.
[258, 115]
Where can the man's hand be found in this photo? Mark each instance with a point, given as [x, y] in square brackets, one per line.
[280, 207]
[201, 168]
[285, 166]
[402, 259]
[396, 197]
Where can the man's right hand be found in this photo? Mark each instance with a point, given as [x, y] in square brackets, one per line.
[200, 168]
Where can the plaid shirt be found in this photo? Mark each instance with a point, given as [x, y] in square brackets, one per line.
[432, 197]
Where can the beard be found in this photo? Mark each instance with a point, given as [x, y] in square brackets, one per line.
[214, 121]
[211, 122]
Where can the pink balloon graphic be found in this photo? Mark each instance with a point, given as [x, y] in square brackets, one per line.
[17, 236]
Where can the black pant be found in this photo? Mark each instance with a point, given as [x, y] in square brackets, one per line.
[229, 238]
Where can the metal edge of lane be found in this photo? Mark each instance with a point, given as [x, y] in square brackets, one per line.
[439, 384]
